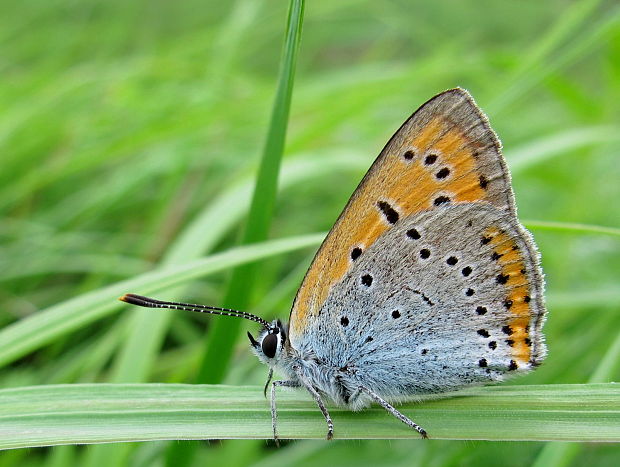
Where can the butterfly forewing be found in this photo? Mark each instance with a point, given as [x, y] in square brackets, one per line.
[444, 154]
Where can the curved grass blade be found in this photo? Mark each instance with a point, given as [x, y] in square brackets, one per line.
[27, 335]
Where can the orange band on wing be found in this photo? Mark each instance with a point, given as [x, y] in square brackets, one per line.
[436, 166]
[518, 297]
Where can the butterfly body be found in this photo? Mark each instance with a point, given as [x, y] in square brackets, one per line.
[426, 283]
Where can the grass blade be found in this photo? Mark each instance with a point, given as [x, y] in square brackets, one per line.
[217, 352]
[573, 228]
[102, 413]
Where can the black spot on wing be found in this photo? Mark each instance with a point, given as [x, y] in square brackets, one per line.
[443, 173]
[441, 200]
[430, 159]
[502, 278]
[367, 280]
[413, 234]
[388, 211]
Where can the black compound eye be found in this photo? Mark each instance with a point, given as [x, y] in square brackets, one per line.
[269, 345]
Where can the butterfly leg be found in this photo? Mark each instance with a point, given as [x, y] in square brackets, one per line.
[274, 412]
[383, 403]
[268, 381]
[317, 398]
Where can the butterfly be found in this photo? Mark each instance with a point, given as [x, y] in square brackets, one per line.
[426, 283]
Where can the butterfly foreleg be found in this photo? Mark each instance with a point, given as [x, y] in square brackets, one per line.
[274, 412]
[383, 403]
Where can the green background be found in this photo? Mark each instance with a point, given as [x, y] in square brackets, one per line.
[124, 124]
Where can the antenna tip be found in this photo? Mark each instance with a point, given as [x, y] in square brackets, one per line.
[133, 299]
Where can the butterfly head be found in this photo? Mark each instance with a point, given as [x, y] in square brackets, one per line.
[270, 343]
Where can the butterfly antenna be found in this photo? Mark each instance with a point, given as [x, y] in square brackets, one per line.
[148, 302]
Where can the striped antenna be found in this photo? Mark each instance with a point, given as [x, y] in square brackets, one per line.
[153, 303]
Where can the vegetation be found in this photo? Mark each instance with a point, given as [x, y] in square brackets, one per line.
[131, 139]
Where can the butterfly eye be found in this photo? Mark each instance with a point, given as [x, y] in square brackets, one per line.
[269, 345]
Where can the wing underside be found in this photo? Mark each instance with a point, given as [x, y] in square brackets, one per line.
[427, 275]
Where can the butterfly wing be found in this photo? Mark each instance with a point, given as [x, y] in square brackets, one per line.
[444, 153]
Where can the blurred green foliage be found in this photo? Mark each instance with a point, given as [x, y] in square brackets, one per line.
[130, 134]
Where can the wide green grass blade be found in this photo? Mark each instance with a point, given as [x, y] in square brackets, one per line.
[217, 351]
[101, 413]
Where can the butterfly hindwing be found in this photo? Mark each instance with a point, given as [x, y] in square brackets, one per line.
[445, 153]
[446, 298]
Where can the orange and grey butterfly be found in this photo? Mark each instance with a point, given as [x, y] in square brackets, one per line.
[444, 154]
[426, 283]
